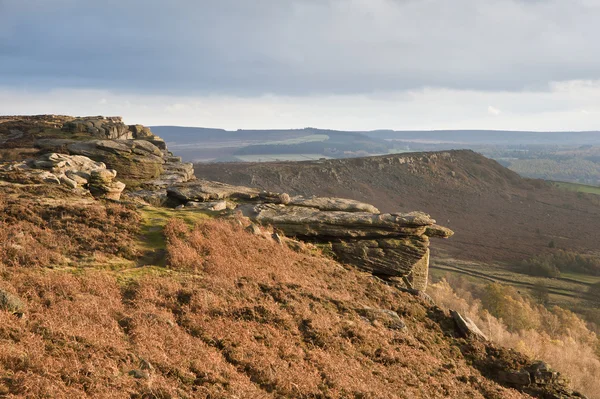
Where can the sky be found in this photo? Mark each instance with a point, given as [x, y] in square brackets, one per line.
[336, 64]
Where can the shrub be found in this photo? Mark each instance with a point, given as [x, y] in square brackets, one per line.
[550, 265]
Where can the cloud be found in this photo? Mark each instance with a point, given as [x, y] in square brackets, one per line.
[559, 108]
[296, 47]
[494, 111]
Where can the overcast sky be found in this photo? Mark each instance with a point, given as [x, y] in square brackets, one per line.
[342, 64]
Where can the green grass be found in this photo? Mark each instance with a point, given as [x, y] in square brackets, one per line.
[299, 140]
[155, 219]
[577, 187]
[566, 291]
[152, 241]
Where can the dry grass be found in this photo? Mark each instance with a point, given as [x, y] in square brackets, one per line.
[35, 233]
[239, 317]
[556, 336]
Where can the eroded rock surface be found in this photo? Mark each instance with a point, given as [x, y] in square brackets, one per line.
[72, 171]
[389, 244]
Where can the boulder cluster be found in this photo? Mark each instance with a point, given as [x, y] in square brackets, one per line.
[132, 150]
[385, 244]
[72, 171]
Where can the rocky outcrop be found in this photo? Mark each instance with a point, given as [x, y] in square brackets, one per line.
[132, 150]
[134, 159]
[204, 190]
[72, 171]
[389, 244]
[111, 128]
[392, 245]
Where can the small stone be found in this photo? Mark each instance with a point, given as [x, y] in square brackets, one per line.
[208, 206]
[467, 328]
[68, 182]
[388, 318]
[277, 238]
[11, 303]
[254, 229]
[140, 374]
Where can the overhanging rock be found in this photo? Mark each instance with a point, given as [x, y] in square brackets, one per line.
[386, 244]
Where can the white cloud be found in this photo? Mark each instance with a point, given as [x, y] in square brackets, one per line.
[494, 111]
[557, 109]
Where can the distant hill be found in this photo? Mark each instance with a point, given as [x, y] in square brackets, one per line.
[207, 144]
[201, 144]
[496, 214]
[496, 137]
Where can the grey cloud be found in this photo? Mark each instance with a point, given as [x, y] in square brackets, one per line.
[297, 47]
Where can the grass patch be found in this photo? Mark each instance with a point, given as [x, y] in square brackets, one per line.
[577, 187]
[152, 239]
[567, 291]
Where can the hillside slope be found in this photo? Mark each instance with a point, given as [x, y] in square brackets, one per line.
[496, 214]
[231, 315]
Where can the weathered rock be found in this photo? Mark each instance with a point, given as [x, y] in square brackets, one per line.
[311, 222]
[392, 257]
[140, 374]
[466, 327]
[334, 204]
[208, 206]
[438, 231]
[62, 163]
[541, 374]
[174, 172]
[419, 274]
[68, 182]
[514, 378]
[102, 184]
[204, 190]
[11, 303]
[80, 177]
[132, 159]
[101, 127]
[150, 197]
[391, 244]
[386, 317]
[53, 145]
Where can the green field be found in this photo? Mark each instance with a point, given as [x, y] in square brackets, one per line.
[580, 188]
[299, 140]
[568, 291]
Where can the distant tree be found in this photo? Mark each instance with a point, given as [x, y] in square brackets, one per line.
[593, 294]
[551, 244]
[541, 293]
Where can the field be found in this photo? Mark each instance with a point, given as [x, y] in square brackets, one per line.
[567, 291]
[580, 188]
